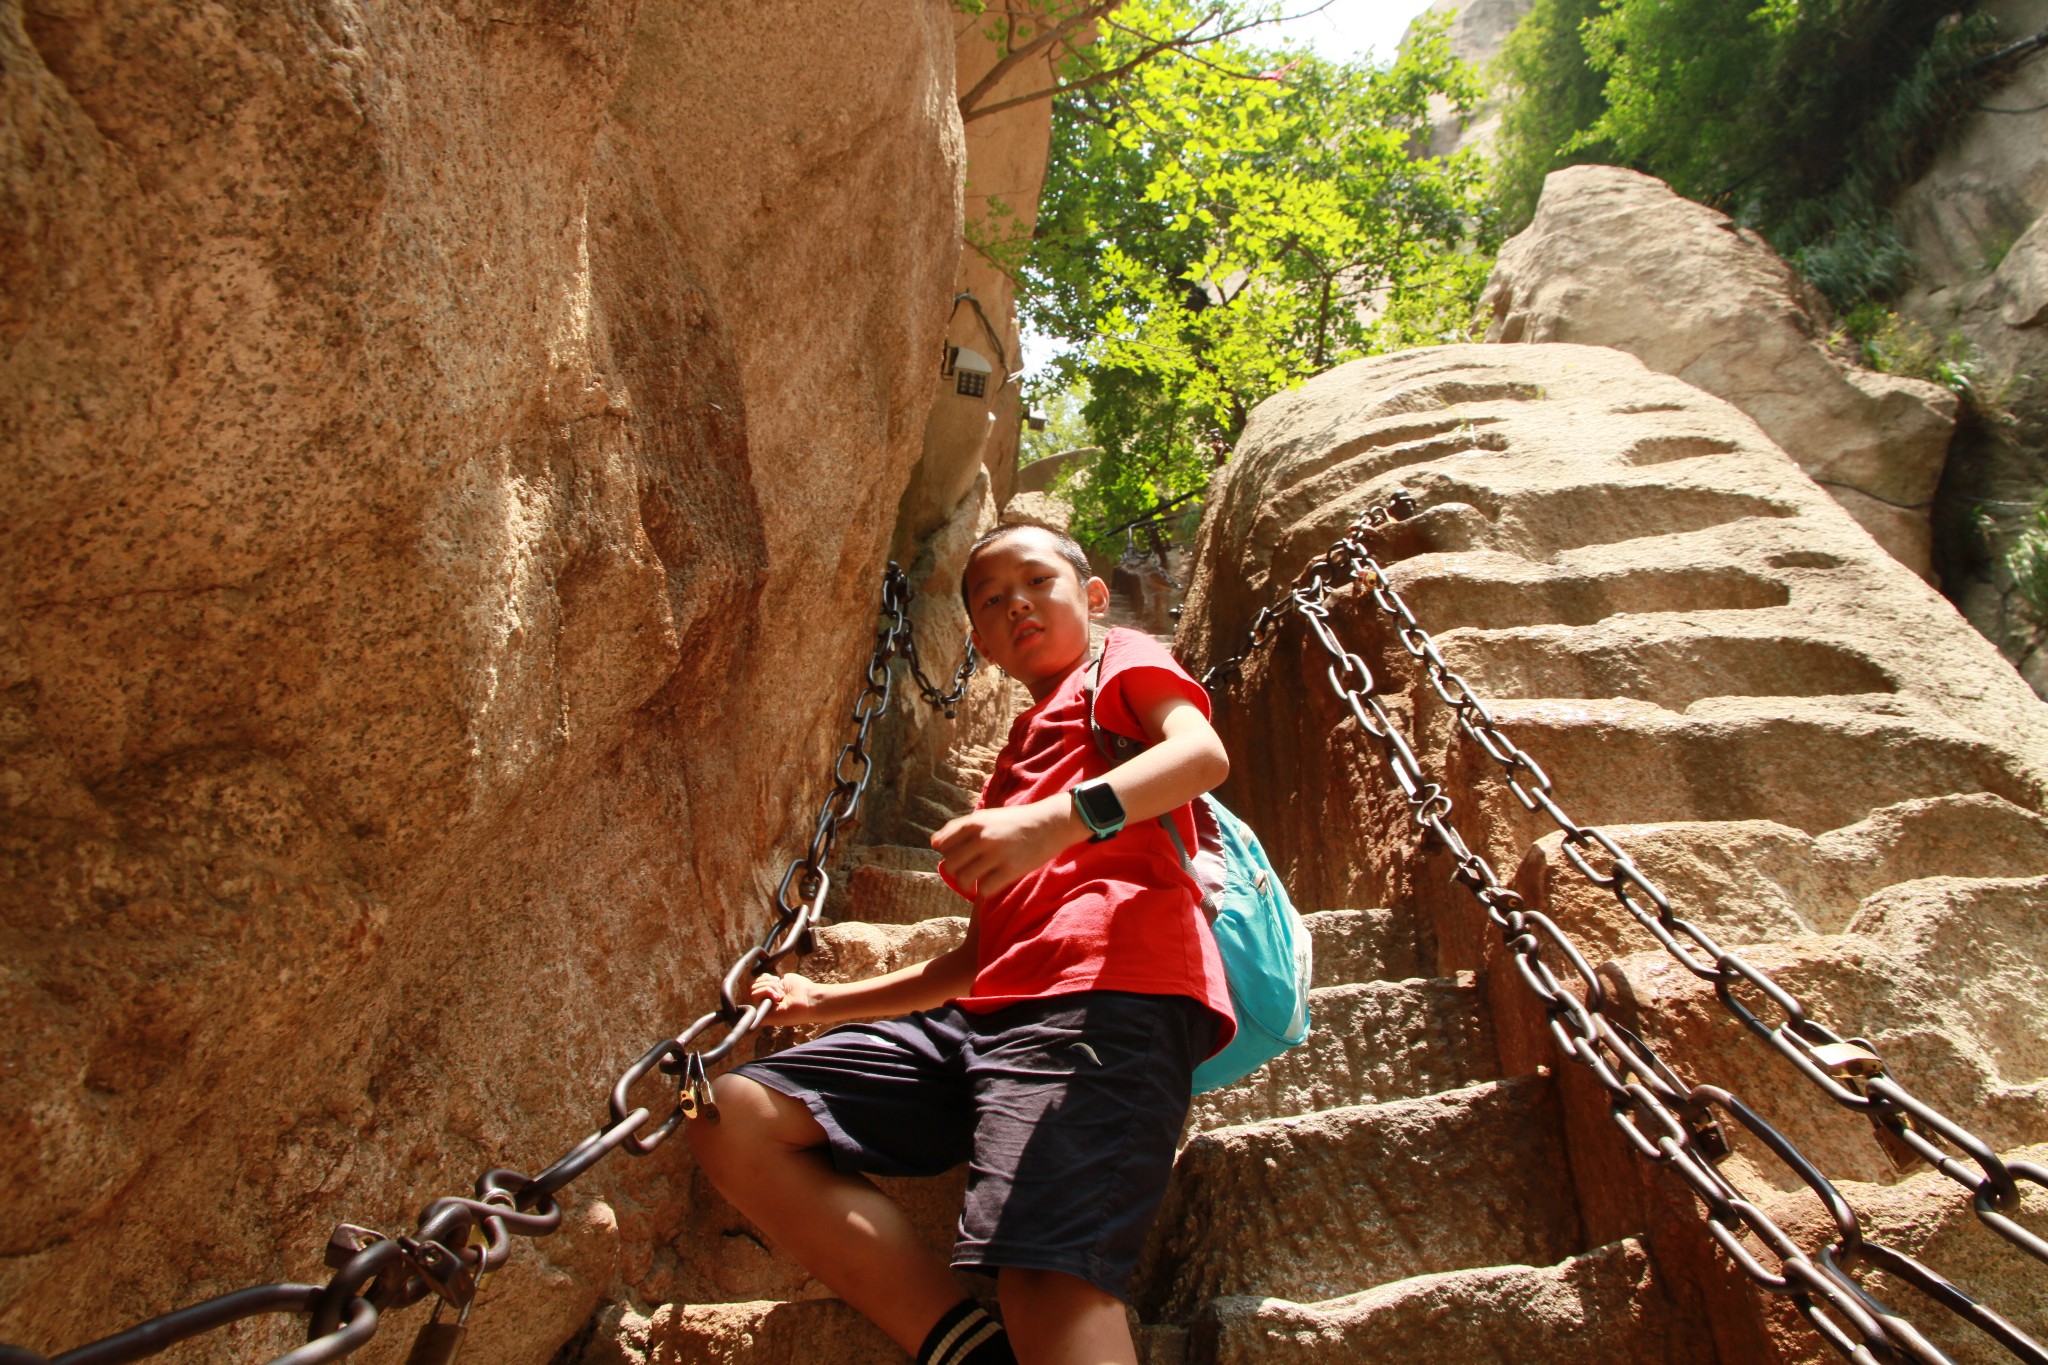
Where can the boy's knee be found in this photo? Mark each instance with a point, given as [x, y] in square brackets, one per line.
[751, 1118]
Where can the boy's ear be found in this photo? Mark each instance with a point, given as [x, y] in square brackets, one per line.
[1098, 597]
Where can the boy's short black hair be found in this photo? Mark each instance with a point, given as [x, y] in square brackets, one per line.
[1067, 547]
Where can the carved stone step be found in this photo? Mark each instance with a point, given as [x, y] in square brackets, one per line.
[790, 1332]
[1327, 1204]
[757, 1333]
[885, 895]
[1363, 945]
[1368, 1043]
[926, 813]
[1750, 758]
[956, 797]
[1602, 1308]
[899, 857]
[855, 951]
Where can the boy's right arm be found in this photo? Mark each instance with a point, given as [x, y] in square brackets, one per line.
[921, 986]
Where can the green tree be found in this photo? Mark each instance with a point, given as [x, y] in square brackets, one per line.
[1221, 225]
[1064, 409]
[1799, 117]
[1555, 96]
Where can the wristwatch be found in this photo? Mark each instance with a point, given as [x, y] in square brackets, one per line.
[1097, 805]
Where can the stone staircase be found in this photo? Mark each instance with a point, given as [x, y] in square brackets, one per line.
[1381, 1192]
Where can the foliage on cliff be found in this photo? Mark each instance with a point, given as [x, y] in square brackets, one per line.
[1799, 117]
[1224, 224]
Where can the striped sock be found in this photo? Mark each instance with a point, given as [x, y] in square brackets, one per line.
[966, 1335]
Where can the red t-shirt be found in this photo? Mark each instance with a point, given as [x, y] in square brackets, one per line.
[1117, 915]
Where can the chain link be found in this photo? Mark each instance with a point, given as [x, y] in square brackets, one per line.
[459, 1241]
[1667, 1122]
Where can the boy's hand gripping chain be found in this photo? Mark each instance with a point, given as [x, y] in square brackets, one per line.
[1666, 1121]
[459, 1241]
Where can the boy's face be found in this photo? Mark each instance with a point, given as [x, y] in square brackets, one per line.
[1030, 610]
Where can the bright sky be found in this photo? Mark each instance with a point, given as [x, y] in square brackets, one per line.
[1345, 29]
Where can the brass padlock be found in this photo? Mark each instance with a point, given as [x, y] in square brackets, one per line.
[445, 1272]
[438, 1341]
[695, 1097]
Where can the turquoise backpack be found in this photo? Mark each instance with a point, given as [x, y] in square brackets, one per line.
[1265, 947]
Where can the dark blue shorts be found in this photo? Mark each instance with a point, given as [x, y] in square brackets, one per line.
[1067, 1110]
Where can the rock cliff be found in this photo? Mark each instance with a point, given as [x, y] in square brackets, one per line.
[451, 453]
[1976, 226]
[1796, 737]
[1478, 30]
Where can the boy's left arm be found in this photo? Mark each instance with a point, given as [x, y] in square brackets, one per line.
[993, 847]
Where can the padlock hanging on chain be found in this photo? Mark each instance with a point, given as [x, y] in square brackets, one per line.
[438, 1341]
[694, 1097]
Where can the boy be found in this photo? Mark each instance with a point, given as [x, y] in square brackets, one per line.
[1052, 1049]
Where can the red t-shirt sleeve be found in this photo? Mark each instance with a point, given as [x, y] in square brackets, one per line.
[1126, 653]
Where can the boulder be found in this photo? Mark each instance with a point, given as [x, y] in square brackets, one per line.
[1819, 762]
[1039, 475]
[451, 454]
[1614, 258]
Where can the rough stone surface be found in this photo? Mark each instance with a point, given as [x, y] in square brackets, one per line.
[451, 452]
[1976, 227]
[1478, 30]
[1614, 258]
[1368, 1042]
[1362, 945]
[1603, 1307]
[1811, 752]
[1407, 1188]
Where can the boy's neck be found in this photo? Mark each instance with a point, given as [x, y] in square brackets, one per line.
[1051, 682]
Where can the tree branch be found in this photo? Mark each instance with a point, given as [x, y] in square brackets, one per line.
[1183, 43]
[1015, 57]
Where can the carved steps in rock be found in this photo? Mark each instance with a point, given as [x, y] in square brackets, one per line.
[1316, 1206]
[1748, 758]
[1600, 1308]
[1369, 1042]
[951, 796]
[896, 895]
[788, 1332]
[1362, 945]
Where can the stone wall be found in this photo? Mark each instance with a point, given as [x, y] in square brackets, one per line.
[451, 455]
[1796, 737]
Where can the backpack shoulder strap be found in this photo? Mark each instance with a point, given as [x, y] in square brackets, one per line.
[1117, 748]
[1112, 746]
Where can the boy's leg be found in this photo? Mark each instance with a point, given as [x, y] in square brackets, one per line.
[1059, 1319]
[766, 1154]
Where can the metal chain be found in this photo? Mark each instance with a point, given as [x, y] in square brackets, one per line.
[459, 1241]
[950, 700]
[1664, 1120]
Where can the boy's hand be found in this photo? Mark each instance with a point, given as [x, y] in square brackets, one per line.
[795, 996]
[987, 850]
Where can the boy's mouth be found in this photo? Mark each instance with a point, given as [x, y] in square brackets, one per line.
[1026, 633]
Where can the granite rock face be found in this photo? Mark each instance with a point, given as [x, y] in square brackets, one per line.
[451, 452]
[1976, 226]
[1614, 258]
[1819, 761]
[1478, 30]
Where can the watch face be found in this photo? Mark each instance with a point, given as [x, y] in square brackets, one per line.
[1099, 806]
